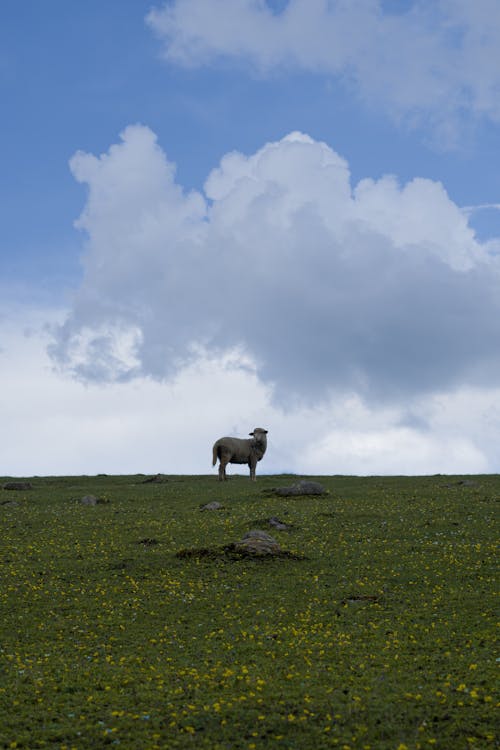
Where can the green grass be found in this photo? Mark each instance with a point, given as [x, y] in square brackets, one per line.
[382, 637]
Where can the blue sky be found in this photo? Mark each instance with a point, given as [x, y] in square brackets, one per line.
[405, 89]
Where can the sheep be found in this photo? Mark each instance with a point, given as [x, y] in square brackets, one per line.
[230, 450]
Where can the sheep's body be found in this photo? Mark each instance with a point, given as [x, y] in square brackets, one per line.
[230, 450]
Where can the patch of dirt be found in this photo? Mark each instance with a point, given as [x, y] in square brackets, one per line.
[360, 598]
[230, 552]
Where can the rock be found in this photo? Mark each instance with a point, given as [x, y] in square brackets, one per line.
[17, 486]
[303, 487]
[212, 506]
[257, 542]
[157, 479]
[89, 500]
[254, 544]
[277, 524]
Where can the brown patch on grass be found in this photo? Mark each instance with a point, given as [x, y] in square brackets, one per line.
[360, 598]
[230, 552]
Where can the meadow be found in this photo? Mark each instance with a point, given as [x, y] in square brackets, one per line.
[379, 634]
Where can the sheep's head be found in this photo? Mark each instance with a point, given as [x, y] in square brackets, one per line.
[259, 434]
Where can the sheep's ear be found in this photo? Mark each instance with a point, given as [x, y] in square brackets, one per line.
[251, 433]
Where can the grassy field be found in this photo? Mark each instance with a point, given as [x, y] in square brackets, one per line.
[382, 636]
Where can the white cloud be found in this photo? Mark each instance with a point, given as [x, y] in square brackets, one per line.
[56, 425]
[436, 59]
[380, 289]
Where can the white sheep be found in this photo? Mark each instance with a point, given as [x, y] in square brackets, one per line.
[230, 450]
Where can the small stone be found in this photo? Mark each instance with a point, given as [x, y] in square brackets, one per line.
[17, 486]
[277, 524]
[89, 500]
[212, 506]
[157, 479]
[304, 487]
[257, 542]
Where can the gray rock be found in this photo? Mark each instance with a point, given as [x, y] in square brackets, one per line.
[17, 486]
[277, 524]
[257, 542]
[89, 500]
[212, 506]
[157, 479]
[304, 487]
[259, 534]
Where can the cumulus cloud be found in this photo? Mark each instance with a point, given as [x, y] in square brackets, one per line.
[318, 286]
[434, 59]
[58, 425]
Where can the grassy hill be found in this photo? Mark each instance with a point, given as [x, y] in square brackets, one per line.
[378, 633]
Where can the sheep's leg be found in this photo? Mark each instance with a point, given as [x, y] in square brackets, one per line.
[252, 465]
[224, 460]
